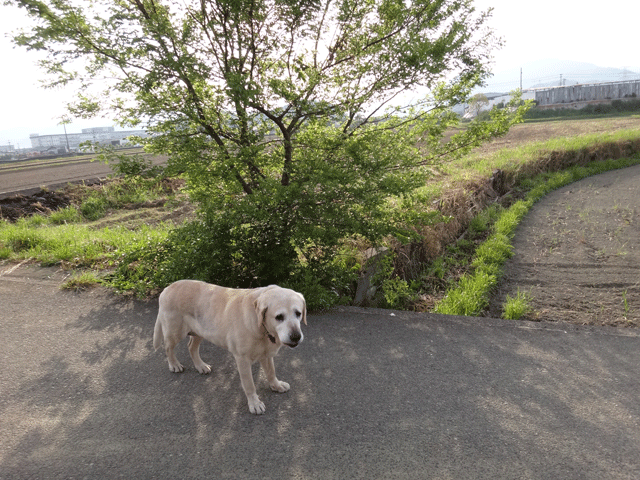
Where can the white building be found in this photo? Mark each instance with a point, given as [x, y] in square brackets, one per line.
[72, 141]
[493, 100]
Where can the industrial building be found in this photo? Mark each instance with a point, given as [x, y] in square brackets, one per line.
[568, 96]
[71, 141]
[578, 96]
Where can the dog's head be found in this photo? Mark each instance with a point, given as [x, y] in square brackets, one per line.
[281, 310]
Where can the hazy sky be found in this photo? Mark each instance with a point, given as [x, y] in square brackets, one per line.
[604, 34]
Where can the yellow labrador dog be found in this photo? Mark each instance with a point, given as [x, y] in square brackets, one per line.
[252, 324]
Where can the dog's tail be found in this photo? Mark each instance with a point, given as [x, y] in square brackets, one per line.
[157, 334]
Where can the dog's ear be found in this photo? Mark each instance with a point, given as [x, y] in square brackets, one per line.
[261, 309]
[304, 310]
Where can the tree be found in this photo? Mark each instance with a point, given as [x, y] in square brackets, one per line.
[477, 103]
[277, 111]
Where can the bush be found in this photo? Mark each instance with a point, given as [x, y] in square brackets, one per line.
[219, 250]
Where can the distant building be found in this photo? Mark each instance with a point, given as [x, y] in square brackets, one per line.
[569, 96]
[578, 96]
[495, 99]
[6, 149]
[104, 135]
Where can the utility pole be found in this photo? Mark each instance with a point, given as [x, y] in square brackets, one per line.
[66, 137]
[520, 79]
[560, 79]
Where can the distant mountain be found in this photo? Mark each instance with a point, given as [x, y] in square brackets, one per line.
[550, 73]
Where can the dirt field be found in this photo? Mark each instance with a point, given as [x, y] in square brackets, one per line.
[28, 177]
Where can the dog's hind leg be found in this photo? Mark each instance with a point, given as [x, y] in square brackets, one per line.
[161, 334]
[157, 333]
[169, 345]
[194, 351]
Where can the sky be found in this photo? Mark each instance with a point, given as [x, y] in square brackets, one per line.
[603, 34]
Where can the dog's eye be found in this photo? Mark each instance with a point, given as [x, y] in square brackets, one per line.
[280, 317]
[298, 314]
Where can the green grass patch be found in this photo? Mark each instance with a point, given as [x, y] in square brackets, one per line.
[514, 308]
[72, 244]
[125, 192]
[81, 281]
[515, 160]
[65, 215]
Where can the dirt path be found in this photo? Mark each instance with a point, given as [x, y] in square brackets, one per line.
[577, 253]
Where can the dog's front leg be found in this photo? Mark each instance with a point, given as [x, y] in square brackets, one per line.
[246, 378]
[270, 371]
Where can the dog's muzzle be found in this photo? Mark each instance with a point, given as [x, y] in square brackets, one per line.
[294, 339]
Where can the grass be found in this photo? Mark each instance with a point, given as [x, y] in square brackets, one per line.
[525, 158]
[514, 308]
[625, 303]
[124, 193]
[72, 245]
[81, 281]
[65, 215]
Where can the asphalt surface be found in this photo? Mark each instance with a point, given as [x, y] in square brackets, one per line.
[374, 394]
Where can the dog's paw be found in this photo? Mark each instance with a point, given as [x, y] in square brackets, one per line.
[176, 367]
[280, 387]
[203, 368]
[256, 406]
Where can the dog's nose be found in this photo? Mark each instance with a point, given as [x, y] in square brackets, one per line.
[295, 337]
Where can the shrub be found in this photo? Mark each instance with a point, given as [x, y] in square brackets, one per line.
[219, 250]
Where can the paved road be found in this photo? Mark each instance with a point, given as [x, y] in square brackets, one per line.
[375, 395]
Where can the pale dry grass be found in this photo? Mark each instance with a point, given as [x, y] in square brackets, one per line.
[533, 132]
